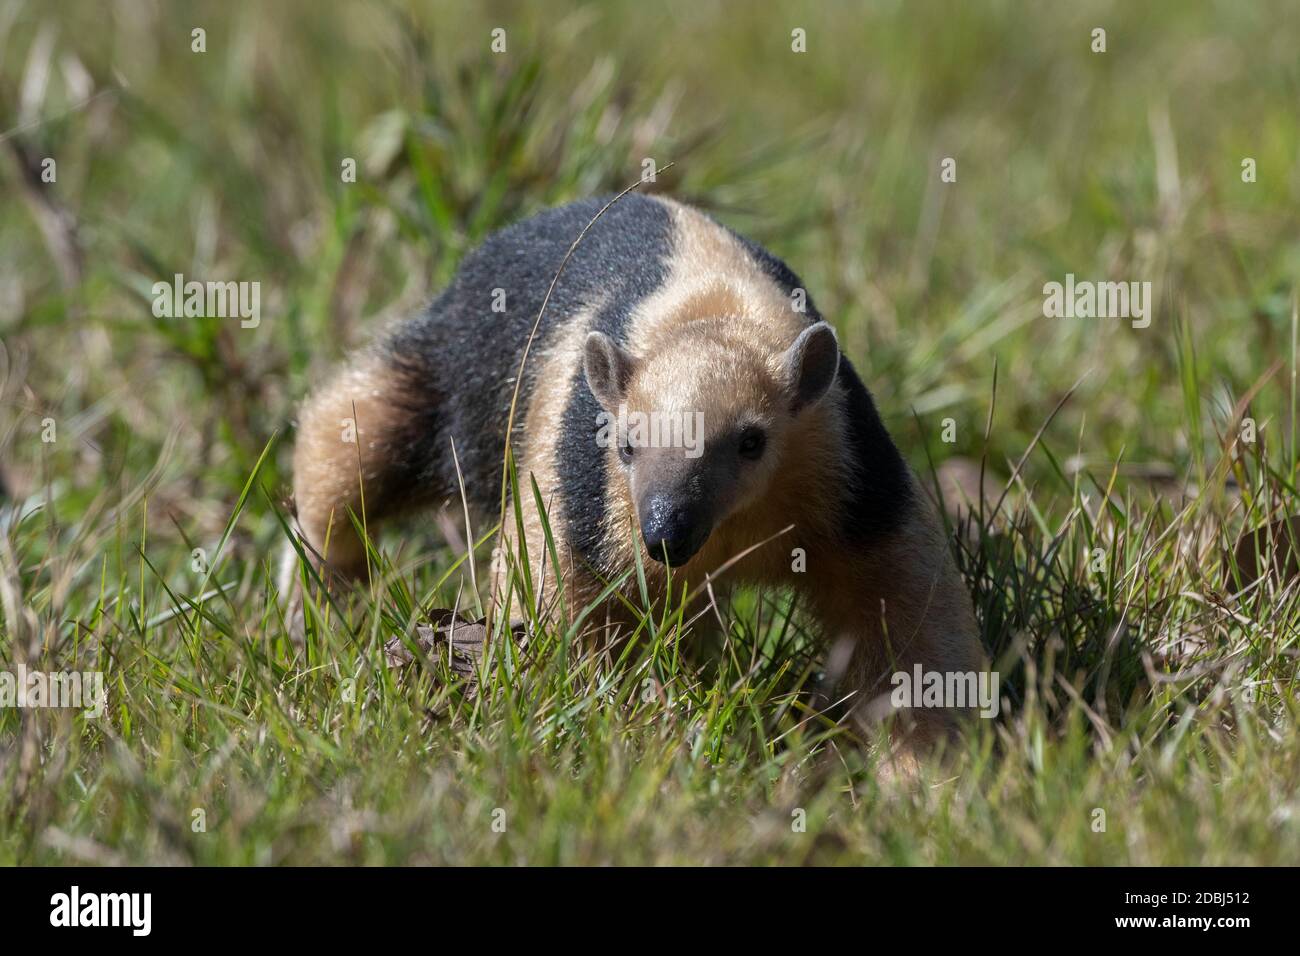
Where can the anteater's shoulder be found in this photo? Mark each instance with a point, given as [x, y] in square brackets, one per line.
[624, 244]
[497, 293]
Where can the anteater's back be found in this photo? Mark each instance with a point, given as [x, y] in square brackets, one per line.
[468, 355]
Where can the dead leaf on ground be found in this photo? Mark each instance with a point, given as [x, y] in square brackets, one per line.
[448, 637]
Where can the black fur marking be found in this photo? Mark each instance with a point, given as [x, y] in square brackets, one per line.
[880, 497]
[471, 354]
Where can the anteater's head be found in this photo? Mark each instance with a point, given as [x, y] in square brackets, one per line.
[701, 422]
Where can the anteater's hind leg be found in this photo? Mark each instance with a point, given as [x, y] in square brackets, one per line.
[365, 445]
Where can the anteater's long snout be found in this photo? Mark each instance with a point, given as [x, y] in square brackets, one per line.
[674, 528]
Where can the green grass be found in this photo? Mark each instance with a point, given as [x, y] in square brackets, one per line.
[1146, 675]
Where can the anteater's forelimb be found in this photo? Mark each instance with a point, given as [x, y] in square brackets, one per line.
[367, 444]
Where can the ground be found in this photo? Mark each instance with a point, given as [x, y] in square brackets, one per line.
[1150, 681]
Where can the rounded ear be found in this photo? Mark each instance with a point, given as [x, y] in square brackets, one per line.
[810, 365]
[607, 368]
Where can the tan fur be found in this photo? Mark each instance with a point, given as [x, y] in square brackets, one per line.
[331, 474]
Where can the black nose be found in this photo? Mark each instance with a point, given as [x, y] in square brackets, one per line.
[672, 530]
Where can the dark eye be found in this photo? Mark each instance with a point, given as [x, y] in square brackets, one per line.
[625, 451]
[752, 442]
